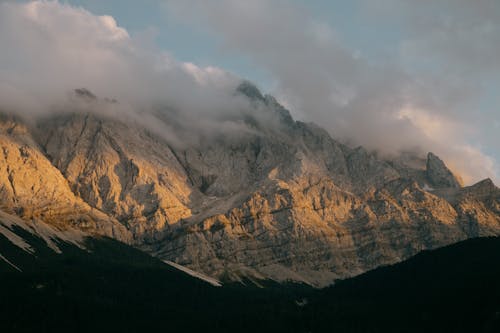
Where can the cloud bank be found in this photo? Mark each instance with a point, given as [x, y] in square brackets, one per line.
[49, 48]
[387, 107]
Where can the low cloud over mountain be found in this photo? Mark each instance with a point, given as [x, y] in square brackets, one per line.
[50, 48]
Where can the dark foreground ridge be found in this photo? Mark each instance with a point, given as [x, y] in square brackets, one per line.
[112, 287]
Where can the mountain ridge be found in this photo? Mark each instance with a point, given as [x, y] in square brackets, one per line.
[100, 284]
[280, 199]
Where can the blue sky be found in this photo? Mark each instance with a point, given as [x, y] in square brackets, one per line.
[190, 43]
[387, 74]
[185, 42]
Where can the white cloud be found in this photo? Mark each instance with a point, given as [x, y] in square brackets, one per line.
[386, 107]
[49, 48]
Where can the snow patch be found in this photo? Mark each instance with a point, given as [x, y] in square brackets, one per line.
[212, 281]
[7, 261]
[427, 188]
[15, 239]
[49, 234]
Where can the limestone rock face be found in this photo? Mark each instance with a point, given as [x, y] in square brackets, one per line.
[121, 170]
[32, 188]
[280, 199]
[438, 174]
[315, 232]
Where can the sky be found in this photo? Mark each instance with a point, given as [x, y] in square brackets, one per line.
[392, 75]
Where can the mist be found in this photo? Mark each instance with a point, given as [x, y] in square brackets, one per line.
[50, 48]
[424, 97]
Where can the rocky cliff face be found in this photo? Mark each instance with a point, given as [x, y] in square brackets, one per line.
[439, 175]
[119, 169]
[281, 199]
[33, 189]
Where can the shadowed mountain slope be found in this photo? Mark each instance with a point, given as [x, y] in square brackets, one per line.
[100, 285]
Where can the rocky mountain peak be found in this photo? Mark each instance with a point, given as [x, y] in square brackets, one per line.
[282, 112]
[485, 188]
[438, 173]
[249, 90]
[280, 202]
[486, 183]
[85, 94]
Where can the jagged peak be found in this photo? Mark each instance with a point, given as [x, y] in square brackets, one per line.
[267, 102]
[250, 90]
[85, 94]
[271, 101]
[486, 183]
[282, 112]
[438, 174]
[88, 96]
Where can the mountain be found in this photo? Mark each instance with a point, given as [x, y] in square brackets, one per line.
[263, 197]
[451, 289]
[32, 188]
[59, 281]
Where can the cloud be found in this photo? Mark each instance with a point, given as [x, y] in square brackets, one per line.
[389, 107]
[462, 36]
[50, 48]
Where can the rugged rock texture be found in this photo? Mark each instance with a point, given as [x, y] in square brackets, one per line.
[280, 199]
[119, 169]
[439, 175]
[316, 232]
[32, 188]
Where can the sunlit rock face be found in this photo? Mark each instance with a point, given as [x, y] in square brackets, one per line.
[121, 170]
[280, 199]
[32, 188]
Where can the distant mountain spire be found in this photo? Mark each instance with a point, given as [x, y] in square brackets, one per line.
[248, 89]
[439, 174]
